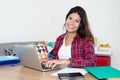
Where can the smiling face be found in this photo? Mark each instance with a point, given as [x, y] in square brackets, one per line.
[72, 23]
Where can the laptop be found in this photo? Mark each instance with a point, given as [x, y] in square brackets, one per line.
[30, 58]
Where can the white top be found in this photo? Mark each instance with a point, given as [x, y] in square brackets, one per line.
[64, 51]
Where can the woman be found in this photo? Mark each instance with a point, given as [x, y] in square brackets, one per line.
[74, 48]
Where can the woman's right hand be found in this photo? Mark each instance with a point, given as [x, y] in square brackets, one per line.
[43, 60]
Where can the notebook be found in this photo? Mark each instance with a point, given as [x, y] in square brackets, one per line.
[104, 72]
[30, 58]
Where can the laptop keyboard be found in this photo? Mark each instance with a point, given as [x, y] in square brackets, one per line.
[44, 67]
[56, 67]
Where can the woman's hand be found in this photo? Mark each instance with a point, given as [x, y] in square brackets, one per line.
[53, 63]
[44, 60]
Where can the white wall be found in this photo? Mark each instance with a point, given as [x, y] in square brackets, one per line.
[35, 20]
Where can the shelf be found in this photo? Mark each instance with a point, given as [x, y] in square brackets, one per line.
[103, 53]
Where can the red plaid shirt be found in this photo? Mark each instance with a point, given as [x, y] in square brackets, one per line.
[82, 51]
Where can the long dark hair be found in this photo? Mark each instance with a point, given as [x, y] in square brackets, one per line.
[83, 30]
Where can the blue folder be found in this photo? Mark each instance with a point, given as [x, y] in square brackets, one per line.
[4, 60]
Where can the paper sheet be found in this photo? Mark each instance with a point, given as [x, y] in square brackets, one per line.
[70, 70]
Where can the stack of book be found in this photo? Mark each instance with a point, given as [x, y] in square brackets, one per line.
[70, 76]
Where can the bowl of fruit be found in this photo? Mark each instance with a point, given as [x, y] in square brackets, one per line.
[104, 47]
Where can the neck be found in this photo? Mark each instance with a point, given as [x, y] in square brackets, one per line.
[71, 35]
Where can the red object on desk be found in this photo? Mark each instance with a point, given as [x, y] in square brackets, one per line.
[103, 61]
